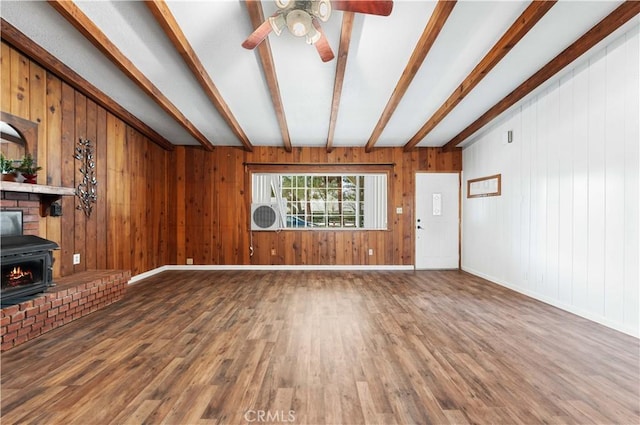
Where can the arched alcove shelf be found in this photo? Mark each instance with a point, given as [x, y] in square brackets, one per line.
[27, 130]
[28, 139]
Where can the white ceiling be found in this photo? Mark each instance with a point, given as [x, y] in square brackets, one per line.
[379, 51]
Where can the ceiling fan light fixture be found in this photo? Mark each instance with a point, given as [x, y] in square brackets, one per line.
[313, 35]
[299, 22]
[277, 23]
[283, 4]
[321, 9]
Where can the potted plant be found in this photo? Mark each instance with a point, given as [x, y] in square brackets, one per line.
[29, 169]
[7, 169]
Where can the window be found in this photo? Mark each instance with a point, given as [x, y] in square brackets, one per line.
[324, 201]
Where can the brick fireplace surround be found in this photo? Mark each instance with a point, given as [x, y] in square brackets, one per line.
[73, 296]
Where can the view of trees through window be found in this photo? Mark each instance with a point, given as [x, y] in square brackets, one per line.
[335, 201]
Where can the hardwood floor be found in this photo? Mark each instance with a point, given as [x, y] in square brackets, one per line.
[305, 347]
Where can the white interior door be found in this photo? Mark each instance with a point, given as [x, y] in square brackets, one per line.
[437, 223]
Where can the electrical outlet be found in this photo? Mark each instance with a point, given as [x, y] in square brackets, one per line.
[273, 251]
[190, 261]
[370, 251]
[76, 258]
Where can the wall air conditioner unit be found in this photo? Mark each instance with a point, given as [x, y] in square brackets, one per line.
[264, 217]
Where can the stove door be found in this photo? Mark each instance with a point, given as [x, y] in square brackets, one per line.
[23, 275]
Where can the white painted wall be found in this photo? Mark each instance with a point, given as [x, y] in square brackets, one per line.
[566, 227]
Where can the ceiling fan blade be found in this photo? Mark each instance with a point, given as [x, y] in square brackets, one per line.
[371, 7]
[258, 35]
[322, 45]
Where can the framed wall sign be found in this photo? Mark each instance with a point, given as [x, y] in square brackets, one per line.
[484, 186]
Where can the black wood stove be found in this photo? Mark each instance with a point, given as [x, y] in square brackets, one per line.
[27, 266]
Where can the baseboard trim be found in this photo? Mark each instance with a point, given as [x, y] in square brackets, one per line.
[558, 304]
[161, 269]
[137, 278]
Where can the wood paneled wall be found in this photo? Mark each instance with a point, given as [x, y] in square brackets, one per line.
[157, 207]
[129, 226]
[565, 229]
[214, 202]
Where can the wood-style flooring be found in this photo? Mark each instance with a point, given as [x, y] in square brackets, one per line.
[323, 347]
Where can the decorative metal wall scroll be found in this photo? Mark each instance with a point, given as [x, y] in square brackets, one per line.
[86, 190]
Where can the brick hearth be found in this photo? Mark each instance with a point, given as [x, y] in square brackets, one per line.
[73, 297]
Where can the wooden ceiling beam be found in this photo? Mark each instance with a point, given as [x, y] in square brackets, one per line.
[254, 7]
[18, 40]
[343, 54]
[427, 39]
[169, 25]
[91, 32]
[521, 26]
[599, 32]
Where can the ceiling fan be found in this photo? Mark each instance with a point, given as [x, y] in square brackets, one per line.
[302, 18]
